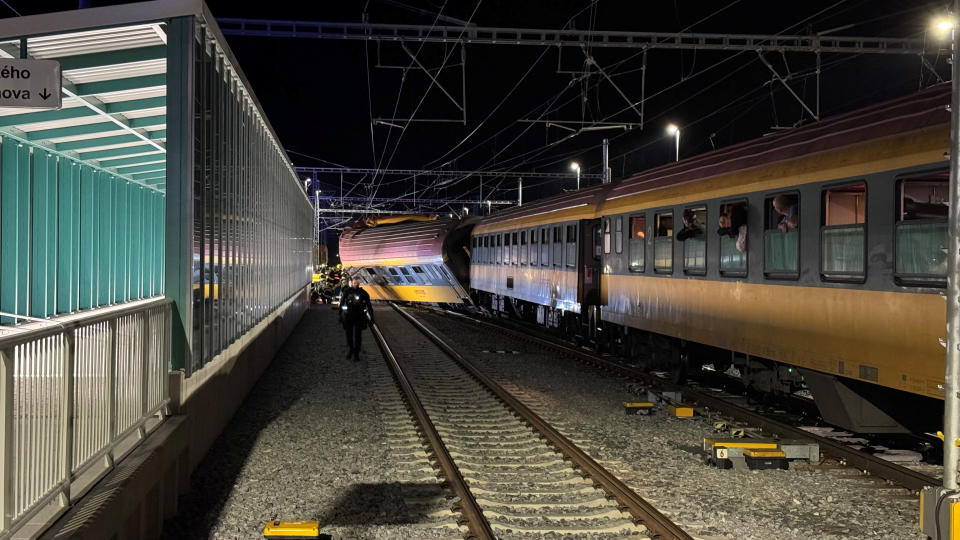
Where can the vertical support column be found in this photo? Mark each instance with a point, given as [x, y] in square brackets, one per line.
[951, 390]
[178, 252]
[7, 479]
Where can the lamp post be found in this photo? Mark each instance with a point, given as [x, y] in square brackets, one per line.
[672, 129]
[576, 167]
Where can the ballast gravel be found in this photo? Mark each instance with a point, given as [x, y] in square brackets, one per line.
[318, 438]
[661, 457]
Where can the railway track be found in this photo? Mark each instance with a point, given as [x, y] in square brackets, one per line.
[887, 470]
[514, 474]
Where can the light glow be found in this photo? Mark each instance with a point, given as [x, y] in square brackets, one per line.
[574, 166]
[672, 129]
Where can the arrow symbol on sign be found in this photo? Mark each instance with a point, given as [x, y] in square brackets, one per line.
[44, 94]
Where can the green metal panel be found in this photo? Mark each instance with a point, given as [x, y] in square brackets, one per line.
[100, 141]
[147, 175]
[120, 241]
[143, 168]
[87, 275]
[136, 241]
[44, 222]
[14, 232]
[144, 121]
[136, 104]
[120, 85]
[113, 152]
[109, 58]
[105, 255]
[157, 134]
[46, 116]
[72, 131]
[146, 158]
[66, 204]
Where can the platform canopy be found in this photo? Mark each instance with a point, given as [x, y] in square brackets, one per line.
[114, 114]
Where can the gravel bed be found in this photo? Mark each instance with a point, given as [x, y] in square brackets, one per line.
[661, 457]
[318, 438]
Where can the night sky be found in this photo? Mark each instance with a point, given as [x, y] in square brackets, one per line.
[317, 96]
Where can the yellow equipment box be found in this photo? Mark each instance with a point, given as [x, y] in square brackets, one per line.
[681, 411]
[292, 529]
[638, 407]
[757, 444]
[758, 453]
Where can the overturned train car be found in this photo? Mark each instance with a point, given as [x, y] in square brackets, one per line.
[411, 261]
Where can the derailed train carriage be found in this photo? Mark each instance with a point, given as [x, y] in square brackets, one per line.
[838, 288]
[410, 259]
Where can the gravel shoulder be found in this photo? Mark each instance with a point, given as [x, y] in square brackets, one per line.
[318, 438]
[661, 457]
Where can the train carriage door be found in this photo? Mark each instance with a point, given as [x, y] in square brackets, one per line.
[591, 259]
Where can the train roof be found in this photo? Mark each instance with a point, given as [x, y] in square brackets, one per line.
[759, 163]
[401, 244]
[580, 204]
[915, 112]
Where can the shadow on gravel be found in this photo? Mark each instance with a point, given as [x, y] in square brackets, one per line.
[378, 504]
[690, 449]
[213, 479]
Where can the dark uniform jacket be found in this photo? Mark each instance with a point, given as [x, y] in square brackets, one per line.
[355, 307]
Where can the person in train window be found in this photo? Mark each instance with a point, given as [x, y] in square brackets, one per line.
[733, 222]
[786, 206]
[690, 226]
[355, 310]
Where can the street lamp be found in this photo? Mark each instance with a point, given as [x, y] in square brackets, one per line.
[576, 167]
[672, 129]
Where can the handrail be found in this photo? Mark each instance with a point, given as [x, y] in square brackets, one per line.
[12, 336]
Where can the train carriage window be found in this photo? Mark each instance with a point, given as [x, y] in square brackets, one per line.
[507, 249]
[515, 249]
[571, 258]
[534, 248]
[523, 247]
[920, 247]
[557, 246]
[733, 238]
[663, 243]
[417, 269]
[499, 238]
[694, 238]
[473, 251]
[544, 247]
[781, 236]
[638, 243]
[618, 234]
[606, 236]
[843, 233]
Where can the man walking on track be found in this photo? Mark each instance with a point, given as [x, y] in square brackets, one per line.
[355, 309]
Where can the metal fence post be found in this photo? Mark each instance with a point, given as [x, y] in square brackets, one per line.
[66, 434]
[112, 385]
[145, 371]
[7, 480]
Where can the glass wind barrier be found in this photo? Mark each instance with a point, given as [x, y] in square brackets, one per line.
[663, 254]
[253, 224]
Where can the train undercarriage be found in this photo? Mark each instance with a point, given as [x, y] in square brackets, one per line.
[854, 405]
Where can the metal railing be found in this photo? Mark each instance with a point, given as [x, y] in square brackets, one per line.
[76, 394]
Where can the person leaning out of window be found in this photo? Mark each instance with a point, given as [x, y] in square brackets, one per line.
[733, 223]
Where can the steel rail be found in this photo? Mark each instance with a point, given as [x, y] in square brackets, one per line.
[876, 466]
[658, 524]
[476, 522]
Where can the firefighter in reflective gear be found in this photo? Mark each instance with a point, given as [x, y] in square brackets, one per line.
[355, 310]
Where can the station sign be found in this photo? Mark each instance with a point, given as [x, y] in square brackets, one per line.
[30, 83]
